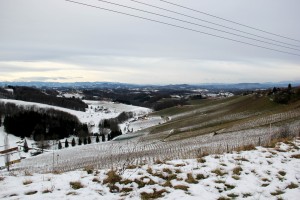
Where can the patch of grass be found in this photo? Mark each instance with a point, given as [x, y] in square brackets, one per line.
[200, 177]
[31, 192]
[229, 187]
[292, 186]
[76, 185]
[96, 180]
[126, 182]
[235, 177]
[27, 182]
[245, 195]
[72, 193]
[158, 161]
[219, 181]
[241, 159]
[277, 192]
[190, 179]
[149, 170]
[114, 188]
[201, 160]
[296, 156]
[223, 198]
[89, 169]
[218, 172]
[265, 184]
[167, 184]
[131, 167]
[180, 165]
[167, 170]
[126, 190]
[48, 190]
[2, 178]
[237, 170]
[156, 194]
[282, 173]
[265, 180]
[112, 177]
[181, 187]
[232, 195]
[245, 148]
[27, 173]
[178, 171]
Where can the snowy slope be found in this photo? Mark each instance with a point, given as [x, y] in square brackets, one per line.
[264, 173]
[92, 115]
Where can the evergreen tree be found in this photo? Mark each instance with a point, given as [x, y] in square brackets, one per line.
[79, 141]
[73, 142]
[89, 141]
[289, 87]
[103, 138]
[25, 146]
[59, 145]
[84, 141]
[97, 139]
[108, 137]
[66, 143]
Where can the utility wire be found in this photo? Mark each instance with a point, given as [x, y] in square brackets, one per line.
[184, 21]
[199, 19]
[227, 20]
[182, 27]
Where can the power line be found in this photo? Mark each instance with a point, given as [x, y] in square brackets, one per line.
[199, 19]
[181, 27]
[257, 29]
[184, 21]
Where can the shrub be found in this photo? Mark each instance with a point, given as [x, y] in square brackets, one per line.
[76, 185]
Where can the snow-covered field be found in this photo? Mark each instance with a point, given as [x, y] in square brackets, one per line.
[264, 173]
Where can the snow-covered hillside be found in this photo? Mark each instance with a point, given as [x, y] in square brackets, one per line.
[264, 173]
[96, 111]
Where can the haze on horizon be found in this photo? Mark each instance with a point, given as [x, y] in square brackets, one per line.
[55, 40]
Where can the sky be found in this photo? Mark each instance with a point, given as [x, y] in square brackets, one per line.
[56, 40]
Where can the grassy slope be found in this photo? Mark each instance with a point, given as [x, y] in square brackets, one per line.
[221, 115]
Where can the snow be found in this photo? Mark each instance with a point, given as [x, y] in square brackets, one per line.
[96, 111]
[266, 173]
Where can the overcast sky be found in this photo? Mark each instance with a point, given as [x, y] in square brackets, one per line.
[55, 40]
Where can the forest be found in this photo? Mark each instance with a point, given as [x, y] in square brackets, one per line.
[46, 97]
[40, 124]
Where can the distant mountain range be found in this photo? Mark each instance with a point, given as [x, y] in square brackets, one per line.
[115, 85]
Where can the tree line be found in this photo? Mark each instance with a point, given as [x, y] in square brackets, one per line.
[47, 97]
